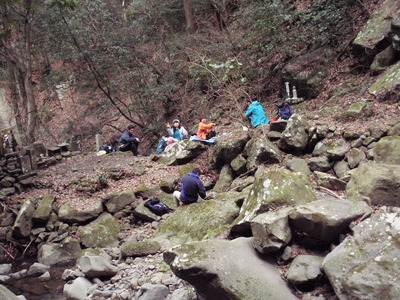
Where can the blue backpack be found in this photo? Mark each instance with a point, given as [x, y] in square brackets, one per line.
[161, 146]
[157, 207]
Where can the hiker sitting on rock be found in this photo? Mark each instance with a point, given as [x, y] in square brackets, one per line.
[256, 114]
[206, 131]
[177, 132]
[284, 111]
[128, 142]
[192, 188]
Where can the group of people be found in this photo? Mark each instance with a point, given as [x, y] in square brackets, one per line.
[257, 115]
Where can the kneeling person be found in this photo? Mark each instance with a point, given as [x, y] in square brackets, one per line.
[192, 188]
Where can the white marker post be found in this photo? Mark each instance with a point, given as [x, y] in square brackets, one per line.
[287, 89]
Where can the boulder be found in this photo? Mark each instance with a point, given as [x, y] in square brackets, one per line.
[329, 181]
[385, 86]
[142, 248]
[168, 185]
[55, 254]
[341, 168]
[5, 269]
[102, 232]
[338, 149]
[321, 147]
[387, 150]
[184, 293]
[304, 269]
[296, 164]
[38, 269]
[43, 211]
[23, 223]
[144, 213]
[326, 219]
[225, 179]
[150, 291]
[181, 152]
[196, 221]
[227, 270]
[355, 157]
[273, 189]
[366, 265]
[319, 163]
[278, 126]
[356, 109]
[240, 183]
[376, 184]
[77, 289]
[68, 214]
[307, 72]
[96, 266]
[271, 230]
[260, 150]
[115, 202]
[376, 29]
[238, 165]
[229, 146]
[6, 294]
[295, 137]
[395, 130]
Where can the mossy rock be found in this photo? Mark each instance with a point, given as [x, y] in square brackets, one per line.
[115, 202]
[356, 109]
[145, 192]
[43, 211]
[186, 169]
[102, 233]
[195, 221]
[238, 165]
[70, 215]
[143, 248]
[389, 80]
[138, 171]
[57, 254]
[387, 150]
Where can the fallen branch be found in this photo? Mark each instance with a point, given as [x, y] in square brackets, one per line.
[329, 192]
[8, 253]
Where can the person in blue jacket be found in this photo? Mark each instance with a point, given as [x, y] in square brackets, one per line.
[192, 188]
[284, 111]
[177, 132]
[256, 114]
[128, 142]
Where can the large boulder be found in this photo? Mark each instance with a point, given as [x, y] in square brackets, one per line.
[376, 184]
[295, 137]
[273, 189]
[23, 223]
[55, 254]
[229, 146]
[260, 150]
[96, 266]
[117, 201]
[181, 152]
[196, 221]
[102, 232]
[366, 265]
[271, 230]
[225, 179]
[326, 219]
[227, 270]
[307, 72]
[6, 294]
[387, 150]
[386, 85]
[43, 211]
[68, 214]
[383, 60]
[376, 29]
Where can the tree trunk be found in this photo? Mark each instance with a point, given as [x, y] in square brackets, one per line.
[188, 15]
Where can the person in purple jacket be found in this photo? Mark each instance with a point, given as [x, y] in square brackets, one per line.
[192, 188]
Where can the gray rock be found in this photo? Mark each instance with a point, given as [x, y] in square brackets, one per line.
[23, 224]
[321, 147]
[330, 182]
[326, 219]
[273, 189]
[238, 165]
[115, 202]
[271, 230]
[338, 149]
[366, 265]
[355, 157]
[142, 248]
[227, 270]
[395, 130]
[296, 164]
[341, 168]
[239, 184]
[6, 294]
[376, 184]
[278, 126]
[102, 232]
[70, 215]
[38, 269]
[96, 266]
[5, 269]
[295, 136]
[357, 109]
[44, 209]
[319, 163]
[150, 291]
[387, 150]
[229, 146]
[77, 289]
[225, 179]
[184, 293]
[56, 254]
[181, 152]
[304, 269]
[260, 150]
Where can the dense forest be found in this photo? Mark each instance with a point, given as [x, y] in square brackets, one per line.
[109, 63]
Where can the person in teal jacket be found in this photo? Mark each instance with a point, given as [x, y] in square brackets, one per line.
[256, 114]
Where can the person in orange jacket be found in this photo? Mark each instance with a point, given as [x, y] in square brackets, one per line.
[205, 131]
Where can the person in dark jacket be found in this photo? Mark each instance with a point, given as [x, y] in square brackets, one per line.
[192, 188]
[284, 111]
[128, 142]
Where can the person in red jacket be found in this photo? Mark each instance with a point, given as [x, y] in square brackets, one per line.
[205, 131]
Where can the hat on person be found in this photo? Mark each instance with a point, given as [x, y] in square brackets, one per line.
[176, 121]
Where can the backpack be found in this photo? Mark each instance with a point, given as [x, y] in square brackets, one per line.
[107, 148]
[157, 207]
[161, 146]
